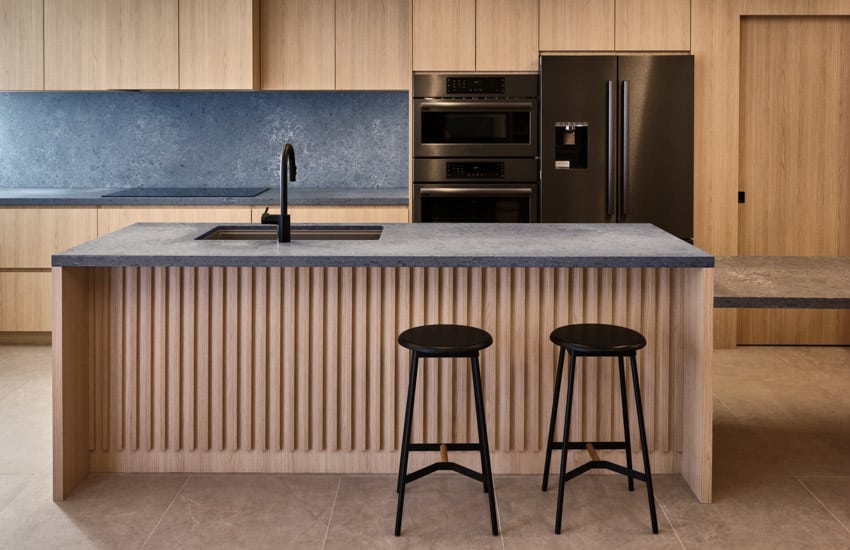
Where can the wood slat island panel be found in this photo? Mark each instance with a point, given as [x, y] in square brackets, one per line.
[296, 369]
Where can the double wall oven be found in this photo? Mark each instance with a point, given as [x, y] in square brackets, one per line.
[475, 148]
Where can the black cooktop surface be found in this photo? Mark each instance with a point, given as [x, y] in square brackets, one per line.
[188, 192]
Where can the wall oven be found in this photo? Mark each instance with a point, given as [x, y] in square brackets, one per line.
[475, 148]
[475, 190]
[475, 115]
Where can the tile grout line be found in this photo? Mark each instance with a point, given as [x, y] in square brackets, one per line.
[330, 519]
[670, 521]
[167, 508]
[806, 487]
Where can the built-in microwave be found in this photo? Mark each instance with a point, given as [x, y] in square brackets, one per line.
[475, 115]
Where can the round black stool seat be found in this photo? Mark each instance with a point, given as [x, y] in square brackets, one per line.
[594, 339]
[445, 340]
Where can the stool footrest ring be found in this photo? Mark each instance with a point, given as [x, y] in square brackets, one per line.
[449, 446]
[581, 445]
[606, 465]
[439, 466]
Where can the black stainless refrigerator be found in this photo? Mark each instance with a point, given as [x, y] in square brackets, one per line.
[617, 140]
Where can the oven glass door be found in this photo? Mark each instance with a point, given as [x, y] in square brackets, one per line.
[476, 203]
[469, 128]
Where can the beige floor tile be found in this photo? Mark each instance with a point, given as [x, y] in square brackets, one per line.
[834, 493]
[106, 511]
[599, 512]
[11, 485]
[751, 513]
[26, 427]
[250, 511]
[440, 511]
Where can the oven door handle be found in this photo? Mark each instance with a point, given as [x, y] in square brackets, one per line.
[476, 105]
[477, 191]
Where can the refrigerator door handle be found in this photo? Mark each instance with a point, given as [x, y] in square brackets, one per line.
[611, 152]
[624, 163]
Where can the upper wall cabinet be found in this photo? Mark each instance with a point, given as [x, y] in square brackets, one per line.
[506, 35]
[653, 25]
[622, 25]
[75, 44]
[141, 50]
[297, 44]
[21, 44]
[373, 44]
[576, 25]
[444, 35]
[218, 45]
[110, 44]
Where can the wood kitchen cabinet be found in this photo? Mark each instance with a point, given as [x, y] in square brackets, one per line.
[506, 35]
[621, 25]
[444, 35]
[28, 237]
[372, 44]
[75, 44]
[110, 44]
[141, 49]
[297, 44]
[113, 218]
[22, 45]
[219, 44]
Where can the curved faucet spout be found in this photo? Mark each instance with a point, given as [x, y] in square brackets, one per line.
[287, 160]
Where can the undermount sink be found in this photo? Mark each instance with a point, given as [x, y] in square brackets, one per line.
[303, 233]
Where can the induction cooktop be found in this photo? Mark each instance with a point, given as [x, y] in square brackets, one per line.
[188, 192]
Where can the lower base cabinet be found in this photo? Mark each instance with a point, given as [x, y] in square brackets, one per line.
[25, 300]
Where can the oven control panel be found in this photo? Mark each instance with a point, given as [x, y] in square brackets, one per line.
[475, 85]
[467, 170]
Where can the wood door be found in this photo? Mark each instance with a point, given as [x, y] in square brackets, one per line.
[372, 44]
[141, 44]
[444, 35]
[506, 35]
[219, 44]
[74, 44]
[576, 25]
[645, 25]
[22, 44]
[297, 44]
[794, 158]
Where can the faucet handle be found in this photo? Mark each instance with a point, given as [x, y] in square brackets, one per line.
[269, 218]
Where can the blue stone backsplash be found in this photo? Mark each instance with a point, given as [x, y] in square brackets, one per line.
[116, 140]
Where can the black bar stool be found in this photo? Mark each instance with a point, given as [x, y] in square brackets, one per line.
[445, 341]
[597, 340]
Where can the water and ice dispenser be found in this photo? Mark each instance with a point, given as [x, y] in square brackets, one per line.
[570, 145]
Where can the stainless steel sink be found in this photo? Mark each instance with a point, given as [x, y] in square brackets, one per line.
[303, 233]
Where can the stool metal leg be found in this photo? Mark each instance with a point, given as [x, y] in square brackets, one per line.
[563, 470]
[643, 444]
[405, 441]
[555, 398]
[626, 421]
[483, 442]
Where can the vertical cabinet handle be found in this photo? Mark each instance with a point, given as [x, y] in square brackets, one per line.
[611, 151]
[624, 208]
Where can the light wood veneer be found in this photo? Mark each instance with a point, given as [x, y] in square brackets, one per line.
[298, 370]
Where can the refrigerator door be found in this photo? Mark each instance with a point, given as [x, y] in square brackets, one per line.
[578, 98]
[657, 127]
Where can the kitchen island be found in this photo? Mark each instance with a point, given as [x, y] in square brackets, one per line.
[178, 354]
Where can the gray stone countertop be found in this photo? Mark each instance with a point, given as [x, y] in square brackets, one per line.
[400, 245]
[297, 197]
[782, 282]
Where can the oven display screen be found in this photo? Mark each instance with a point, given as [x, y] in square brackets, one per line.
[476, 127]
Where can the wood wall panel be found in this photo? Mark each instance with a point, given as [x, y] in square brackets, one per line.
[324, 339]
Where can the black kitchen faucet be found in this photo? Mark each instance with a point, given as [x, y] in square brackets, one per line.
[287, 159]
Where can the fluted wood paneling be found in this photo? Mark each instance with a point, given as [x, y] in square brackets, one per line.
[298, 369]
